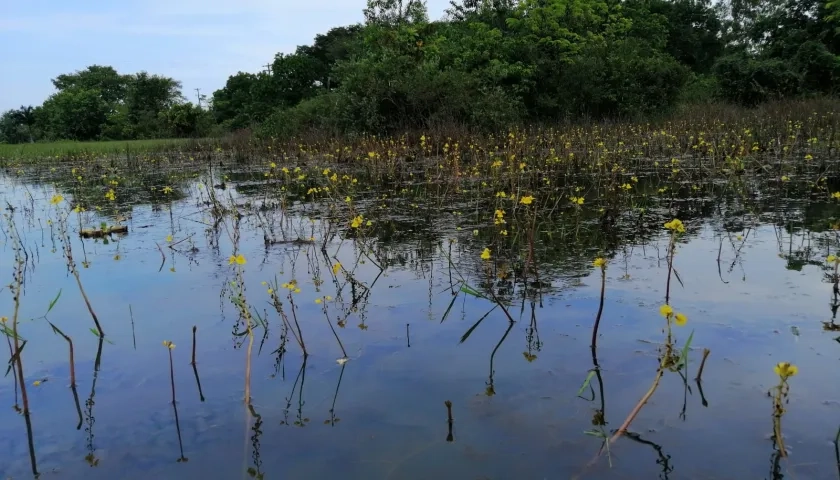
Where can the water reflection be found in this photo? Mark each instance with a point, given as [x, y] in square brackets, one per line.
[89, 419]
[737, 276]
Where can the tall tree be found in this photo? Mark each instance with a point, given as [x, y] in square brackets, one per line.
[110, 85]
[147, 97]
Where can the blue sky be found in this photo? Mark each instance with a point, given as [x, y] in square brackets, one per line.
[198, 42]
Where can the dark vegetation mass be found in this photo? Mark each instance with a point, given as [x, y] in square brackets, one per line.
[487, 64]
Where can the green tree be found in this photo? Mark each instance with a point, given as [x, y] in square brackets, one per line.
[18, 125]
[110, 85]
[147, 98]
[75, 113]
[231, 102]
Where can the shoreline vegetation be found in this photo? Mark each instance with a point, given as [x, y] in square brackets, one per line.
[710, 122]
[486, 66]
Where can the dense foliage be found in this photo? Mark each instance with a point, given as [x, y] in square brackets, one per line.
[488, 63]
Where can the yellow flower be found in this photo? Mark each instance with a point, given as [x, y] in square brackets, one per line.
[328, 298]
[4, 319]
[599, 262]
[168, 344]
[336, 268]
[675, 225]
[318, 301]
[36, 383]
[56, 199]
[680, 319]
[666, 310]
[270, 291]
[527, 200]
[832, 259]
[169, 238]
[111, 195]
[357, 222]
[835, 195]
[485, 255]
[296, 290]
[785, 370]
[239, 260]
[785, 178]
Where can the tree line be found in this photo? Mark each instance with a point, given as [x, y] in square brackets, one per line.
[485, 65]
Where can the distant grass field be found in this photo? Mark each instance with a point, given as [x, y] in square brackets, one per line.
[65, 148]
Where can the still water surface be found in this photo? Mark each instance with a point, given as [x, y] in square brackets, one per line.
[381, 415]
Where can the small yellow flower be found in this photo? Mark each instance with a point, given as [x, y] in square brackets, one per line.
[169, 238]
[485, 255]
[835, 195]
[336, 267]
[666, 310]
[599, 262]
[296, 290]
[4, 319]
[675, 225]
[318, 301]
[56, 199]
[238, 259]
[785, 370]
[36, 383]
[357, 222]
[785, 178]
[328, 298]
[527, 200]
[270, 291]
[680, 319]
[832, 259]
[168, 344]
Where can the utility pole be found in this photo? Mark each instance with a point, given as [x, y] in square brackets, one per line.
[198, 96]
[268, 68]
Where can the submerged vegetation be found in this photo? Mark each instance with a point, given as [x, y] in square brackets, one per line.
[306, 247]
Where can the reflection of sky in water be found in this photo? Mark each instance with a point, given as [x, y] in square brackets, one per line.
[390, 402]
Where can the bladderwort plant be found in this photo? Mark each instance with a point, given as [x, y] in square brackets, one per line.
[239, 300]
[64, 236]
[292, 288]
[169, 347]
[779, 393]
[323, 302]
[16, 360]
[668, 359]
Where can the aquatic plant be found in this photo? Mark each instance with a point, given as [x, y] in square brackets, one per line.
[779, 393]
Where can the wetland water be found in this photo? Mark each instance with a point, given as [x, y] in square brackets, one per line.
[401, 293]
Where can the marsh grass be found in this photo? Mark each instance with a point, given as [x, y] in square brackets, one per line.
[56, 150]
